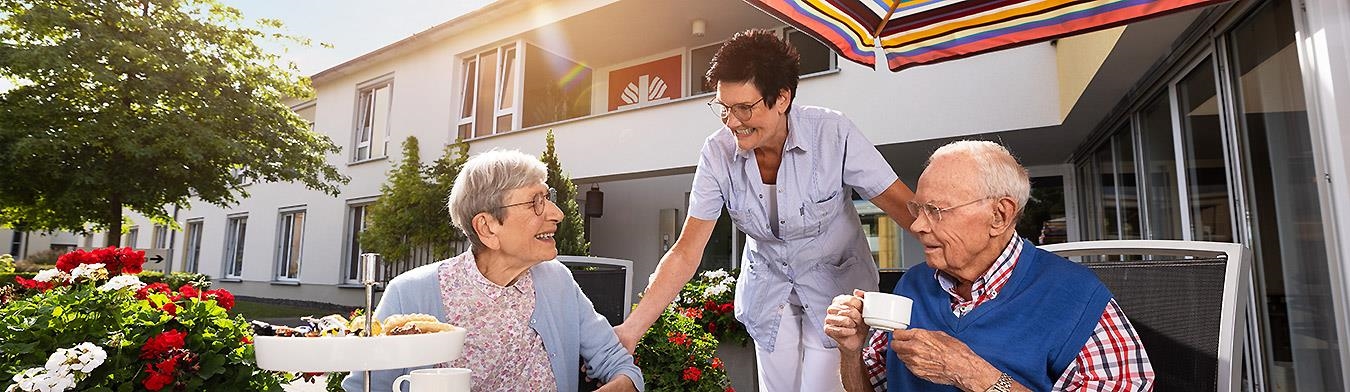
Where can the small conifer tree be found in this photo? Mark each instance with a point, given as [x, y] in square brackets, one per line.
[571, 237]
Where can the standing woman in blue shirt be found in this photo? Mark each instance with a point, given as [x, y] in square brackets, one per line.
[786, 174]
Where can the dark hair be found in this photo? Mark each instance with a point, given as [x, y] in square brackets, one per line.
[760, 57]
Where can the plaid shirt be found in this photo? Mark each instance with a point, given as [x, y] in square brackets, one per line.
[1113, 359]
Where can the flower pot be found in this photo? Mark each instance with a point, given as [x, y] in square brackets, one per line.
[741, 365]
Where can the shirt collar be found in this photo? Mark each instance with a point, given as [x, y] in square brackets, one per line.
[793, 141]
[523, 284]
[994, 278]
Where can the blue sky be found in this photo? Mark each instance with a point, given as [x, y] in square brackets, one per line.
[352, 27]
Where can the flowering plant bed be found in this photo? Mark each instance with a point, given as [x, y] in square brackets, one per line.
[676, 354]
[708, 299]
[91, 325]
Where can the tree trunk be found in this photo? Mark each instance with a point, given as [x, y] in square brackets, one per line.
[114, 223]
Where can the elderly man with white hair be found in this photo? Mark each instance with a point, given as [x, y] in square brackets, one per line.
[992, 312]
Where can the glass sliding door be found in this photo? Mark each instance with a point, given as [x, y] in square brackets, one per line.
[1210, 207]
[1162, 204]
[1291, 253]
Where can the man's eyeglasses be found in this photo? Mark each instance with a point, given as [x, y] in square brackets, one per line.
[539, 203]
[933, 212]
[742, 111]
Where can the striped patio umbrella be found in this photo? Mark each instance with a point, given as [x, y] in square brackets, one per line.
[918, 32]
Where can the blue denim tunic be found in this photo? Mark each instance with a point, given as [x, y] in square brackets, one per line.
[820, 251]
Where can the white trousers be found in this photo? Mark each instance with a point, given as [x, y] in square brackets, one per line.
[799, 362]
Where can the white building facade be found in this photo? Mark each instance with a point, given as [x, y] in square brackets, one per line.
[1227, 123]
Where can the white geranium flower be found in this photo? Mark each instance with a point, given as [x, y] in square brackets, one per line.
[29, 380]
[85, 270]
[89, 357]
[715, 274]
[716, 290]
[122, 281]
[47, 275]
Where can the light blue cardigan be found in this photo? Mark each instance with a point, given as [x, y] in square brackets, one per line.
[562, 310]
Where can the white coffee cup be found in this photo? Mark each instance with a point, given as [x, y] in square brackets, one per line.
[436, 380]
[887, 312]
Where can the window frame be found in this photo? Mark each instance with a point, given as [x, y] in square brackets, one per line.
[499, 78]
[365, 110]
[290, 243]
[236, 236]
[192, 244]
[350, 258]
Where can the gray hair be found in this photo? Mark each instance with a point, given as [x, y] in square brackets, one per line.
[1000, 173]
[484, 182]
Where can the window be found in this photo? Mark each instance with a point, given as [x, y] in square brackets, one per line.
[235, 228]
[370, 138]
[129, 240]
[16, 244]
[356, 223]
[159, 237]
[815, 57]
[488, 92]
[192, 251]
[290, 237]
[1209, 204]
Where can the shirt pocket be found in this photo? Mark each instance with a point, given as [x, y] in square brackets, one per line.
[819, 211]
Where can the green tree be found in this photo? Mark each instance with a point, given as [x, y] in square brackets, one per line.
[406, 207]
[441, 175]
[571, 236]
[144, 104]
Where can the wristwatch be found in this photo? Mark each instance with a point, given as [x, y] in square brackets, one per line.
[1003, 384]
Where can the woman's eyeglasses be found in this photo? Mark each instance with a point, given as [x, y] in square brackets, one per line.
[539, 203]
[742, 111]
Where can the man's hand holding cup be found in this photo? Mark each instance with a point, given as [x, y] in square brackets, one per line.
[849, 316]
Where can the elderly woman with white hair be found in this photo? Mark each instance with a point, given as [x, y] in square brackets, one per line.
[529, 323]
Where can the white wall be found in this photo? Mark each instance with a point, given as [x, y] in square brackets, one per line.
[628, 230]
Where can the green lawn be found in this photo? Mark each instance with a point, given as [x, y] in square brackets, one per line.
[258, 310]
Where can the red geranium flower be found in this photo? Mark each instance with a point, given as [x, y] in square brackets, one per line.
[716, 363]
[151, 289]
[162, 343]
[170, 308]
[223, 298]
[32, 284]
[67, 262]
[131, 260]
[679, 338]
[692, 374]
[187, 291]
[156, 381]
[727, 307]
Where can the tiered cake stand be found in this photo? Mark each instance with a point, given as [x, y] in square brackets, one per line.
[358, 353]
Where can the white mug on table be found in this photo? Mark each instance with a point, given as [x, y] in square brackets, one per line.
[436, 380]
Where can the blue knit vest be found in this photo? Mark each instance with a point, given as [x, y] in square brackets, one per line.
[1032, 330]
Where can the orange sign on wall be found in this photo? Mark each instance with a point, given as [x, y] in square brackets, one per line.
[645, 83]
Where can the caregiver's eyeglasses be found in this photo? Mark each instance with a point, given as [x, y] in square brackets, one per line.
[742, 111]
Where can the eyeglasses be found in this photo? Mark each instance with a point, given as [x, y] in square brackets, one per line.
[742, 111]
[933, 212]
[539, 202]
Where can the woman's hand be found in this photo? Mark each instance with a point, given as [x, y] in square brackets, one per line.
[629, 336]
[844, 324]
